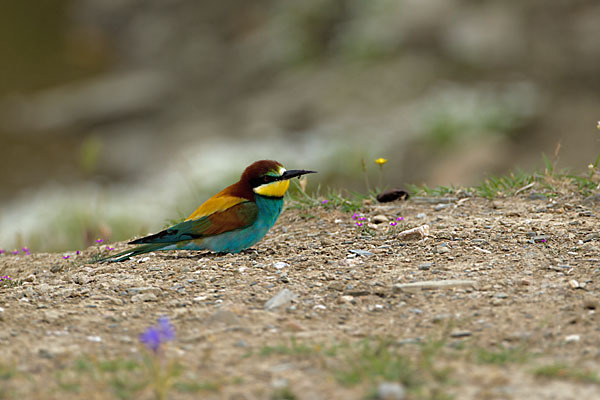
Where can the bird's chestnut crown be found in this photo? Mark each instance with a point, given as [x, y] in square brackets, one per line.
[269, 178]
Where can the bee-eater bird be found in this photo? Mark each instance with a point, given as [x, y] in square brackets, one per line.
[232, 220]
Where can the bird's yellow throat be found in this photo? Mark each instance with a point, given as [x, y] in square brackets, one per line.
[273, 189]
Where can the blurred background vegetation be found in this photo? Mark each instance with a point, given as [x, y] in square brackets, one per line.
[118, 115]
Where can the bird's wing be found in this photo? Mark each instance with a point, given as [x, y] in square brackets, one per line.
[238, 216]
[219, 202]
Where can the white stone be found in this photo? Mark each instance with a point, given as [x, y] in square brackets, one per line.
[572, 338]
[280, 265]
[284, 297]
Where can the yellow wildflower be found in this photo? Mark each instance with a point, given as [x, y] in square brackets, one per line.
[380, 161]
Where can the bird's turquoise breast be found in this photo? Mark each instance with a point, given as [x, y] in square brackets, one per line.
[240, 239]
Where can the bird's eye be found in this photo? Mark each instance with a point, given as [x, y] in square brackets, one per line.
[269, 178]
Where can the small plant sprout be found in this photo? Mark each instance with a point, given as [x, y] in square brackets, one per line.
[7, 281]
[153, 338]
[101, 251]
[363, 165]
[361, 223]
[395, 225]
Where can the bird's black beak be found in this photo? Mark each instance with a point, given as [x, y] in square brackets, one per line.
[292, 173]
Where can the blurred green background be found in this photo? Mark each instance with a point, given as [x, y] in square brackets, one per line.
[118, 115]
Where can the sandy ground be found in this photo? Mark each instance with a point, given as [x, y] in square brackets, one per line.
[529, 268]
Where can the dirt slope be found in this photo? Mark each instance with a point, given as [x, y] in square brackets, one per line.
[534, 266]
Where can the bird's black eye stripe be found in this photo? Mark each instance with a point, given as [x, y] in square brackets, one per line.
[270, 178]
[261, 180]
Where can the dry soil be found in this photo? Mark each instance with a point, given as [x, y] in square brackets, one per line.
[532, 266]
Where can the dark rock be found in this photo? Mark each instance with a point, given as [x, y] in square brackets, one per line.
[392, 195]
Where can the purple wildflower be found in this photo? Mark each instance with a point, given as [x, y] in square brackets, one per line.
[99, 240]
[5, 278]
[151, 339]
[400, 219]
[358, 223]
[393, 223]
[77, 252]
[108, 248]
[2, 251]
[543, 240]
[355, 216]
[325, 201]
[15, 252]
[166, 329]
[66, 257]
[154, 336]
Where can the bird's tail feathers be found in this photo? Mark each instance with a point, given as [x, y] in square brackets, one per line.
[125, 255]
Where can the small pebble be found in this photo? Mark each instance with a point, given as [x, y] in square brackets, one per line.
[459, 334]
[347, 299]
[574, 284]
[284, 297]
[590, 303]
[390, 391]
[425, 266]
[361, 252]
[440, 317]
[572, 339]
[143, 297]
[442, 250]
[280, 383]
[379, 219]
